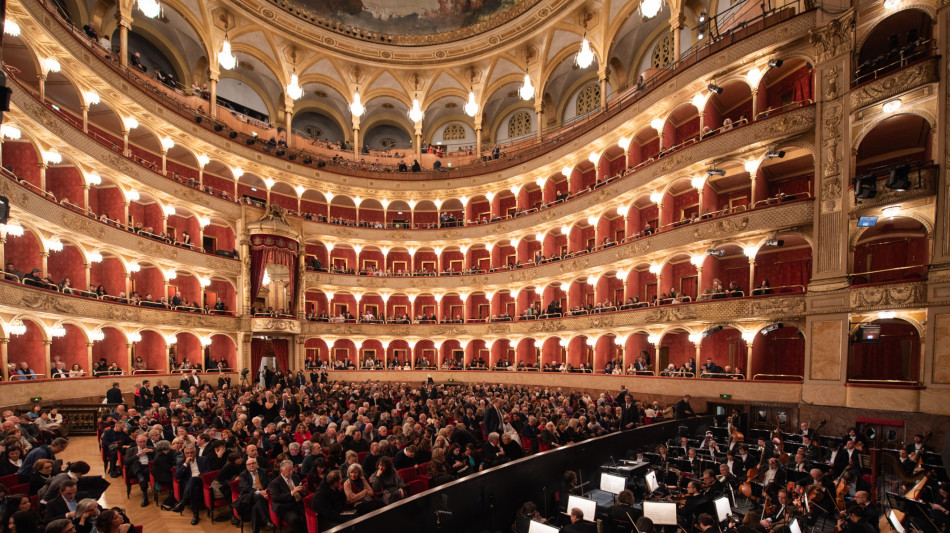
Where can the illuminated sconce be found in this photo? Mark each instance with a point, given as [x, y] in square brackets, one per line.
[237, 172]
[91, 97]
[699, 101]
[751, 166]
[95, 257]
[135, 267]
[655, 269]
[749, 251]
[698, 182]
[206, 340]
[96, 335]
[657, 124]
[695, 338]
[52, 158]
[591, 341]
[539, 237]
[150, 8]
[54, 245]
[93, 179]
[130, 123]
[300, 189]
[11, 28]
[10, 132]
[697, 260]
[51, 65]
[593, 157]
[204, 281]
[566, 171]
[563, 342]
[565, 230]
[622, 210]
[56, 331]
[170, 274]
[591, 220]
[12, 229]
[886, 315]
[624, 142]
[169, 210]
[135, 337]
[357, 106]
[204, 222]
[133, 196]
[656, 197]
[754, 76]
[269, 182]
[891, 211]
[17, 327]
[171, 339]
[203, 160]
[653, 339]
[748, 336]
[168, 143]
[893, 105]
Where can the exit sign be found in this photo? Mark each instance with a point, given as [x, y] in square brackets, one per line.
[36, 399]
[725, 396]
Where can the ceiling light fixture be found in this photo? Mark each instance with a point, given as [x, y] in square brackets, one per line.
[650, 8]
[10, 132]
[150, 8]
[357, 106]
[585, 56]
[11, 28]
[294, 91]
[226, 59]
[527, 89]
[416, 114]
[51, 65]
[471, 107]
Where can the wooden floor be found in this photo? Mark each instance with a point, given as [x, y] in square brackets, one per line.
[152, 518]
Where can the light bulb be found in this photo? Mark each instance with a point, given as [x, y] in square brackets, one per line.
[650, 8]
[150, 8]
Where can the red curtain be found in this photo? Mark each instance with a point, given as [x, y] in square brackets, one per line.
[281, 353]
[257, 355]
[688, 286]
[266, 249]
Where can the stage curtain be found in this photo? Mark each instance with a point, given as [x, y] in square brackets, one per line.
[281, 353]
[257, 355]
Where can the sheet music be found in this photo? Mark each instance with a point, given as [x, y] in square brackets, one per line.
[538, 527]
[588, 507]
[723, 509]
[662, 513]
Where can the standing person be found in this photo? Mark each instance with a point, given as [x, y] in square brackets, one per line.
[683, 409]
[494, 418]
[40, 452]
[137, 459]
[329, 500]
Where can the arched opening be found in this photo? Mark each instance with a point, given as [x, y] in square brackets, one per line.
[677, 354]
[69, 350]
[783, 265]
[152, 350]
[731, 108]
[790, 176]
[222, 353]
[784, 87]
[894, 356]
[896, 249]
[778, 353]
[28, 351]
[896, 41]
[110, 355]
[722, 353]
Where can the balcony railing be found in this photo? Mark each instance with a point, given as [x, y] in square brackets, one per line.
[515, 154]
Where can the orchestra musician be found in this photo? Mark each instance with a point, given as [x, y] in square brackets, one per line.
[855, 522]
[801, 462]
[709, 443]
[774, 475]
[735, 465]
[940, 506]
[820, 495]
[748, 461]
[917, 445]
[775, 513]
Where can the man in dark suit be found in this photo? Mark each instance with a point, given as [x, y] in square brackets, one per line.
[189, 475]
[629, 414]
[494, 417]
[113, 439]
[329, 501]
[145, 396]
[160, 393]
[114, 395]
[286, 494]
[682, 409]
[189, 380]
[137, 459]
[253, 499]
[64, 504]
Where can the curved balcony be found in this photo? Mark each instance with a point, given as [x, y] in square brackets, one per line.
[753, 308]
[761, 219]
[783, 25]
[17, 296]
[30, 200]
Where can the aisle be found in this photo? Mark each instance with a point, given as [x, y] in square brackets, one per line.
[153, 519]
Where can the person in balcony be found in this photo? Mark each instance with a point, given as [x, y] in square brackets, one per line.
[726, 124]
[59, 371]
[185, 238]
[76, 371]
[11, 273]
[735, 291]
[137, 62]
[114, 369]
[35, 278]
[647, 230]
[139, 363]
[25, 372]
[763, 288]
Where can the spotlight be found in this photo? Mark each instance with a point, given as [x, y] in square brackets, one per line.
[218, 128]
[279, 153]
[702, 16]
[771, 327]
[717, 253]
[700, 35]
[249, 141]
[292, 157]
[779, 154]
[197, 119]
[712, 330]
[865, 187]
[775, 242]
[775, 63]
[713, 88]
[898, 179]
[715, 172]
[232, 135]
[307, 161]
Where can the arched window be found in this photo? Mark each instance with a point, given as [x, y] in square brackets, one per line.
[453, 132]
[588, 99]
[519, 124]
[663, 53]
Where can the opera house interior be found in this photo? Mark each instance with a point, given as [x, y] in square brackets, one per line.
[739, 201]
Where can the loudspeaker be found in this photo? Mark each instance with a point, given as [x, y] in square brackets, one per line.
[232, 135]
[307, 161]
[898, 179]
[865, 186]
[249, 141]
[197, 119]
[292, 157]
[218, 128]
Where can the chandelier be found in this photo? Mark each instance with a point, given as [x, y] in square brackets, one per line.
[527, 90]
[226, 59]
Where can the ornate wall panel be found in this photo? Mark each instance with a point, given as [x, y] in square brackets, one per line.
[895, 83]
[826, 349]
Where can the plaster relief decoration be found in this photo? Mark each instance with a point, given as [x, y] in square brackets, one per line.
[889, 296]
[894, 84]
[835, 38]
[832, 118]
[291, 326]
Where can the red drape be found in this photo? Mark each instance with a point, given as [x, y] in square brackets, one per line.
[257, 355]
[282, 354]
[272, 249]
[688, 285]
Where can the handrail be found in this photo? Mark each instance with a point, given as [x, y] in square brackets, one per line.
[641, 373]
[145, 371]
[622, 99]
[852, 275]
[26, 377]
[795, 376]
[119, 372]
[727, 375]
[928, 51]
[910, 382]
